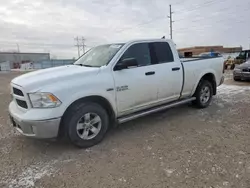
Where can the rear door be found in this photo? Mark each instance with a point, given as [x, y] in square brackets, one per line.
[169, 73]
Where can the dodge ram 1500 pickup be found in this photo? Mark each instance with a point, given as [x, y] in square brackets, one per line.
[110, 84]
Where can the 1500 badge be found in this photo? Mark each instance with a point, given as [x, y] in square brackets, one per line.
[121, 88]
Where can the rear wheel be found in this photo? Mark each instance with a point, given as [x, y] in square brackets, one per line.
[203, 94]
[86, 124]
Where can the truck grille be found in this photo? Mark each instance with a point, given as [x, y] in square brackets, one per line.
[19, 97]
[17, 91]
[22, 103]
[245, 70]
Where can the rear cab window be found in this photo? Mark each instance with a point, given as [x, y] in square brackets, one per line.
[162, 52]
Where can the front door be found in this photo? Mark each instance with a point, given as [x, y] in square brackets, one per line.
[136, 87]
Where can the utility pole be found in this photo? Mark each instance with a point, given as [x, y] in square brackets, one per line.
[18, 54]
[18, 49]
[83, 44]
[171, 21]
[249, 44]
[77, 45]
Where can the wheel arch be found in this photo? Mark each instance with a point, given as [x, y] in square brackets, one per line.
[94, 99]
[209, 77]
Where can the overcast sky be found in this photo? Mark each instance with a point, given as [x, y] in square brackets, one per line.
[51, 25]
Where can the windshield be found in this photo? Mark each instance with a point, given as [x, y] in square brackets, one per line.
[242, 54]
[99, 56]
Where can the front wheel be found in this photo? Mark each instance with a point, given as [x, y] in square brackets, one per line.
[203, 94]
[86, 124]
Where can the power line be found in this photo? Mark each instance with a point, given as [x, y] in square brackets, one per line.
[216, 21]
[83, 45]
[195, 7]
[180, 2]
[47, 45]
[36, 44]
[220, 10]
[199, 6]
[163, 17]
[209, 26]
[80, 44]
[210, 2]
[143, 23]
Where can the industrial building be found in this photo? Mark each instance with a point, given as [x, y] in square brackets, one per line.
[15, 59]
[196, 50]
[43, 64]
[27, 61]
[5, 66]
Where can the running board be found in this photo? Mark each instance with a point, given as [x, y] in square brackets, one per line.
[153, 110]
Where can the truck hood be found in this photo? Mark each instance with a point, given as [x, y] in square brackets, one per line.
[36, 80]
[244, 65]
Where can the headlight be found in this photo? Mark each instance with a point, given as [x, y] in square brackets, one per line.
[44, 100]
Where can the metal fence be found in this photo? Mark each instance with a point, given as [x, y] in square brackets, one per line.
[52, 63]
[5, 66]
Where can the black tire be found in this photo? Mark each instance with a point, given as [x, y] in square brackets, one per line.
[237, 79]
[198, 102]
[72, 117]
[225, 67]
[232, 66]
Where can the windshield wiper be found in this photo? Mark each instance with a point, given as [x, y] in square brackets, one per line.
[84, 65]
[80, 64]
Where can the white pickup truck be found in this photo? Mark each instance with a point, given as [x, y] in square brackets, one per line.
[110, 84]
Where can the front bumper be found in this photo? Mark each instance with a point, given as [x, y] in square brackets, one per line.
[47, 128]
[242, 75]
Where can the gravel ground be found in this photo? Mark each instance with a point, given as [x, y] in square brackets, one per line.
[180, 147]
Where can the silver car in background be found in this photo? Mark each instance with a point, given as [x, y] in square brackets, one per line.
[242, 71]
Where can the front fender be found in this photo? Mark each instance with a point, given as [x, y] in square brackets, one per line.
[109, 96]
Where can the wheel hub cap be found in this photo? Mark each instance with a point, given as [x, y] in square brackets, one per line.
[88, 126]
[205, 94]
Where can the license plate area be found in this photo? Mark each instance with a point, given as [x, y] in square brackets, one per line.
[245, 70]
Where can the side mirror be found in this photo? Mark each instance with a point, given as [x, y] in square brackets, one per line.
[126, 63]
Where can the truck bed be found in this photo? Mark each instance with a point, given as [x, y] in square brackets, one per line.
[187, 59]
[195, 67]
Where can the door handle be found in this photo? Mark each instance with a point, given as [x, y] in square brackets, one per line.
[149, 73]
[176, 68]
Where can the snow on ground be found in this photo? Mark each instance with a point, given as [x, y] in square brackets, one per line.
[232, 89]
[228, 93]
[30, 175]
